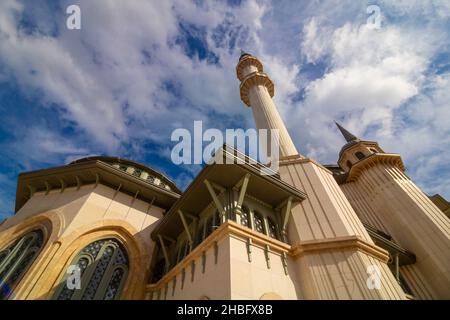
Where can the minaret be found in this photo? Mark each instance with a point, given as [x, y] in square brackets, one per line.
[257, 90]
[387, 199]
[331, 248]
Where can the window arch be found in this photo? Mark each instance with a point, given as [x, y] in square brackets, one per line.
[103, 266]
[16, 259]
[273, 229]
[258, 222]
[359, 155]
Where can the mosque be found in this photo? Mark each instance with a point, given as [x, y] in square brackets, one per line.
[111, 228]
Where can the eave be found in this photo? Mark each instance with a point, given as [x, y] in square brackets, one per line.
[90, 172]
[268, 188]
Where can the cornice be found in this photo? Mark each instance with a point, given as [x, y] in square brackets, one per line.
[255, 78]
[245, 62]
[371, 161]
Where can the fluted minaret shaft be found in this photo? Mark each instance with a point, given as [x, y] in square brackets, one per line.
[257, 91]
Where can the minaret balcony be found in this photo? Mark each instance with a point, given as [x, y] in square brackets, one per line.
[254, 79]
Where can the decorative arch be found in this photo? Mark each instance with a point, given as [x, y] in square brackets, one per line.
[50, 224]
[125, 234]
[17, 258]
[102, 267]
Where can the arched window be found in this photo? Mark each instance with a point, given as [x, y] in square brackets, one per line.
[245, 217]
[258, 222]
[103, 267]
[273, 229]
[360, 155]
[16, 259]
[349, 164]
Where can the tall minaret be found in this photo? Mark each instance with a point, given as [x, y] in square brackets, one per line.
[331, 248]
[257, 90]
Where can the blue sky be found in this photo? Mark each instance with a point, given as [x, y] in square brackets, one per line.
[137, 70]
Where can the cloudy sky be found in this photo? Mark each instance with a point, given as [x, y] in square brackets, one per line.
[137, 70]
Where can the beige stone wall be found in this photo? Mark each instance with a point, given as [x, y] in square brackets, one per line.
[386, 198]
[230, 270]
[190, 280]
[252, 279]
[77, 218]
[326, 216]
[341, 275]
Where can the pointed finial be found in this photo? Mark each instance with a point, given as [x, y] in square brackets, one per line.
[347, 135]
[243, 54]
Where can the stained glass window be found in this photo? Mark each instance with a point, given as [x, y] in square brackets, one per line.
[103, 267]
[137, 172]
[16, 259]
[273, 230]
[245, 217]
[259, 222]
[360, 155]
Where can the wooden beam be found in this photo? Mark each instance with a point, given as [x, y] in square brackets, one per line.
[164, 250]
[78, 182]
[97, 179]
[186, 227]
[171, 240]
[63, 184]
[47, 187]
[243, 189]
[32, 190]
[214, 197]
[218, 187]
[117, 190]
[286, 214]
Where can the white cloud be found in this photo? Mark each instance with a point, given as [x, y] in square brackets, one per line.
[125, 78]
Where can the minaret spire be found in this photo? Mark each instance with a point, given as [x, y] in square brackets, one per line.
[347, 135]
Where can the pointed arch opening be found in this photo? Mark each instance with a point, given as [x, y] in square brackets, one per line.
[99, 272]
[16, 259]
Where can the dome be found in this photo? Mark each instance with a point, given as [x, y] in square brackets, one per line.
[135, 169]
